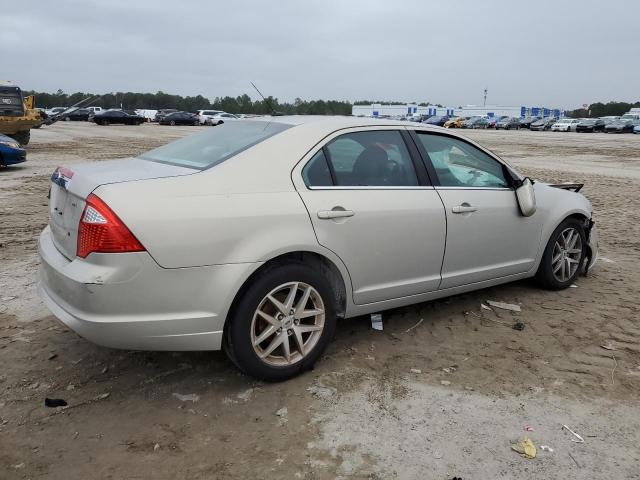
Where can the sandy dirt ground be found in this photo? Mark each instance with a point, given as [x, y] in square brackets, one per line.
[443, 391]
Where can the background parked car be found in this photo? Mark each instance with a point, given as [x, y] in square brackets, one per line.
[543, 124]
[81, 114]
[565, 125]
[481, 123]
[590, 125]
[163, 113]
[493, 121]
[204, 114]
[117, 117]
[220, 118]
[11, 152]
[508, 123]
[180, 118]
[476, 122]
[454, 122]
[636, 129]
[55, 111]
[438, 120]
[527, 121]
[468, 123]
[622, 126]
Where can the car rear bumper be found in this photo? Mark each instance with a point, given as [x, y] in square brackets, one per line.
[128, 301]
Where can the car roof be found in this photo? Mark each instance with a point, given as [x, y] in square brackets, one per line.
[309, 129]
[335, 122]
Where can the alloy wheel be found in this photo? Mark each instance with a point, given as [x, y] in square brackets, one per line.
[287, 324]
[567, 254]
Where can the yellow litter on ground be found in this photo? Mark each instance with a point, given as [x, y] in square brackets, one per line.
[525, 447]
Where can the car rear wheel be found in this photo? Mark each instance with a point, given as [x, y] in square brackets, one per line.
[282, 323]
[563, 256]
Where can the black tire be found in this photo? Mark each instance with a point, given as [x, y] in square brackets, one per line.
[22, 137]
[237, 342]
[545, 275]
[105, 122]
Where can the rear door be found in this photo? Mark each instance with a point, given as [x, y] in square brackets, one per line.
[370, 202]
[487, 237]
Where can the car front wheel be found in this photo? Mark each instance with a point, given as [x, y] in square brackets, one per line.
[563, 256]
[282, 323]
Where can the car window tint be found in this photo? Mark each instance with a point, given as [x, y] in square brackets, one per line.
[316, 173]
[458, 164]
[375, 158]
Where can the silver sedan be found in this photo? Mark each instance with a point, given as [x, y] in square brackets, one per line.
[256, 236]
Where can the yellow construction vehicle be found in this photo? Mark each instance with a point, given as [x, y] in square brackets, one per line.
[17, 113]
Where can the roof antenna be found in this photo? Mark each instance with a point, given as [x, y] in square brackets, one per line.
[273, 111]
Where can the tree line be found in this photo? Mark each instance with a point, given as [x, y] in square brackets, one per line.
[600, 109]
[155, 101]
[245, 104]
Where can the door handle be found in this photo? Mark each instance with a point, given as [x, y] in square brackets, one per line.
[464, 208]
[328, 214]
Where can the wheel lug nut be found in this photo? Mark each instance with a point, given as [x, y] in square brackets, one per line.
[296, 322]
[289, 332]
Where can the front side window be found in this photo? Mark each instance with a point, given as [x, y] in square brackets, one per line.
[374, 158]
[458, 164]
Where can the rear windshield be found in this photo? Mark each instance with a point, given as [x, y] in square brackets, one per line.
[215, 145]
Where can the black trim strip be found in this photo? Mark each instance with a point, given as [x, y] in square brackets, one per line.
[418, 165]
[327, 159]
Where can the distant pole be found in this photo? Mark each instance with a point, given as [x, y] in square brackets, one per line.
[485, 96]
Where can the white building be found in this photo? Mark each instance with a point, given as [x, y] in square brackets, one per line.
[400, 110]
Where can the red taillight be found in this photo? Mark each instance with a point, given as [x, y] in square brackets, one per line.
[102, 231]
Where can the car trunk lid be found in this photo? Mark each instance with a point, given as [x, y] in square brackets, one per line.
[71, 186]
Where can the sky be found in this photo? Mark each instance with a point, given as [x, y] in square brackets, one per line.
[545, 53]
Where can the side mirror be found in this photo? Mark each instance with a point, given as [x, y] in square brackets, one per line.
[526, 197]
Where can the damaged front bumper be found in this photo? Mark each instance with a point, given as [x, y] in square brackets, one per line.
[592, 246]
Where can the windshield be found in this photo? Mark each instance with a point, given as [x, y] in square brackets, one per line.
[214, 146]
[588, 122]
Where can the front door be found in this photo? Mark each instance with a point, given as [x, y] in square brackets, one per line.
[487, 237]
[369, 205]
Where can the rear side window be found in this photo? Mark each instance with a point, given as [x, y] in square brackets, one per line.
[316, 173]
[214, 146]
[374, 158]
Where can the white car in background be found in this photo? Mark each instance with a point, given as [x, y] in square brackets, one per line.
[258, 235]
[204, 115]
[55, 110]
[565, 125]
[220, 118]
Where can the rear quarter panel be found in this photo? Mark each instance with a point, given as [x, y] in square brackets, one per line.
[243, 210]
